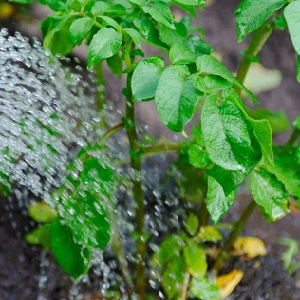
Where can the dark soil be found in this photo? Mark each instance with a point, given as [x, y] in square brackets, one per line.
[20, 264]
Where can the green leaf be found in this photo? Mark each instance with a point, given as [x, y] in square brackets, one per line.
[170, 36]
[79, 28]
[217, 203]
[100, 7]
[111, 22]
[198, 157]
[134, 34]
[181, 55]
[55, 5]
[160, 12]
[138, 2]
[228, 137]
[173, 277]
[199, 46]
[87, 219]
[97, 177]
[41, 212]
[195, 259]
[261, 128]
[286, 169]
[229, 180]
[298, 68]
[251, 14]
[278, 120]
[21, 1]
[115, 64]
[169, 248]
[269, 193]
[209, 234]
[296, 122]
[40, 236]
[57, 29]
[189, 2]
[204, 289]
[209, 65]
[211, 83]
[292, 15]
[105, 43]
[192, 224]
[145, 78]
[71, 256]
[176, 97]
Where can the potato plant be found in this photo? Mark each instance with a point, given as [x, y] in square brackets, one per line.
[228, 142]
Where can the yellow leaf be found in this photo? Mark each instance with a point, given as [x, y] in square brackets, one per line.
[6, 10]
[228, 282]
[250, 247]
[209, 234]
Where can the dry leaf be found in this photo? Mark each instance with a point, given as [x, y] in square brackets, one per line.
[228, 282]
[249, 246]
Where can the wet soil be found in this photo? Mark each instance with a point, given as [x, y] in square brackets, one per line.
[20, 264]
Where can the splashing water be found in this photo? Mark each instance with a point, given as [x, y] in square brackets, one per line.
[45, 113]
[46, 117]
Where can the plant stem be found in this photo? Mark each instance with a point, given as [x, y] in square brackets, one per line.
[159, 148]
[138, 194]
[294, 136]
[259, 38]
[184, 288]
[237, 228]
[112, 131]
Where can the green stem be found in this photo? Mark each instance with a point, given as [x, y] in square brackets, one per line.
[259, 38]
[237, 228]
[138, 194]
[184, 287]
[294, 136]
[112, 131]
[147, 151]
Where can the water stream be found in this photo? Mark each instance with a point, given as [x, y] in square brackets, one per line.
[47, 114]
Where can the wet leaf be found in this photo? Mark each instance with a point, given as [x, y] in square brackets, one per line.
[269, 193]
[209, 234]
[176, 97]
[71, 256]
[192, 224]
[204, 289]
[228, 282]
[292, 16]
[105, 43]
[195, 259]
[198, 157]
[41, 212]
[160, 12]
[251, 14]
[209, 65]
[249, 246]
[173, 277]
[87, 220]
[79, 28]
[145, 78]
[40, 236]
[169, 248]
[217, 203]
[181, 55]
[228, 137]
